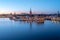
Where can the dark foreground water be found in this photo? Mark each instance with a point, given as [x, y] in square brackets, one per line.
[22, 30]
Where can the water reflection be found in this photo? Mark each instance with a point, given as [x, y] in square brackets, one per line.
[55, 21]
[21, 29]
[40, 22]
[30, 24]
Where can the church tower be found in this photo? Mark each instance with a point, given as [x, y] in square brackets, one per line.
[30, 12]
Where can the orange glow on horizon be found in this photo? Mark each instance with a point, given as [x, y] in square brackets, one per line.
[19, 12]
[8, 12]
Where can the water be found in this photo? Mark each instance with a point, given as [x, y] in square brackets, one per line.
[23, 30]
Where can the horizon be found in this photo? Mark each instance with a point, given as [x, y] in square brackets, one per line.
[22, 6]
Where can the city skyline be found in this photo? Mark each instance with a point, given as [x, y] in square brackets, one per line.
[38, 6]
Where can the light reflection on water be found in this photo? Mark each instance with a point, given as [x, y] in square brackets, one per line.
[10, 29]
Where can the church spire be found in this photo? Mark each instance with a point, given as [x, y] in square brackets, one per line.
[30, 12]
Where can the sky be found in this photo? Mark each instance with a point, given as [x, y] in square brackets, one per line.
[38, 6]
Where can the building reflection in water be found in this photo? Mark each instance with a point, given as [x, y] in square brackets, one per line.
[31, 22]
[55, 21]
[40, 22]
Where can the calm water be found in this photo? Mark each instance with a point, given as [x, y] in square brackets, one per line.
[16, 30]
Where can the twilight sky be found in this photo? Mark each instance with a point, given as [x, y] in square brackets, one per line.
[24, 5]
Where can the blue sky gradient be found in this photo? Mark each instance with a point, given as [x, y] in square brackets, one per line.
[25, 5]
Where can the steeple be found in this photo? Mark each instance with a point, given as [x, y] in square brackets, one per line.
[30, 12]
